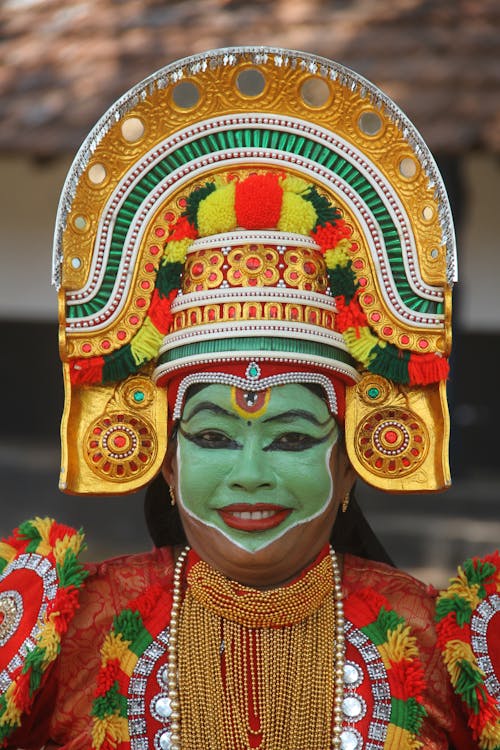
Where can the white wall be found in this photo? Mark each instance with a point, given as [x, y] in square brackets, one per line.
[28, 204]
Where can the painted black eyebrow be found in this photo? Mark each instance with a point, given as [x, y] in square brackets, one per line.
[289, 416]
[209, 406]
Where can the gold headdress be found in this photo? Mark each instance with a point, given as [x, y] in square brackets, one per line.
[254, 216]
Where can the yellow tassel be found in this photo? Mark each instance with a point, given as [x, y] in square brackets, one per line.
[400, 645]
[176, 251]
[454, 653]
[460, 586]
[361, 343]
[43, 526]
[12, 713]
[295, 185]
[113, 728]
[339, 256]
[7, 552]
[216, 212]
[490, 736]
[400, 739]
[49, 639]
[73, 543]
[146, 343]
[297, 215]
[114, 647]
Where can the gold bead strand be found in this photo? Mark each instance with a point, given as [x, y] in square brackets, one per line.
[339, 654]
[175, 724]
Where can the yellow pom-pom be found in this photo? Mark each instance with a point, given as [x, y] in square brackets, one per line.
[361, 342]
[176, 251]
[216, 212]
[338, 256]
[297, 215]
[295, 185]
[146, 343]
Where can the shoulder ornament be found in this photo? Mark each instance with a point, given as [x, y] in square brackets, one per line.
[40, 578]
[468, 624]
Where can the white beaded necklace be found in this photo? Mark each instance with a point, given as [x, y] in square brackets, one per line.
[338, 695]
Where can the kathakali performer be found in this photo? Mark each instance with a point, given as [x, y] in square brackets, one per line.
[254, 255]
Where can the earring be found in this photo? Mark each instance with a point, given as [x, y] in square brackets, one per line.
[172, 496]
[345, 502]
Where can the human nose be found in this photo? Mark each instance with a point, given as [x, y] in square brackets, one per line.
[252, 468]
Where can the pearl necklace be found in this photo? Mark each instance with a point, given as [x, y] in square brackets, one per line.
[338, 695]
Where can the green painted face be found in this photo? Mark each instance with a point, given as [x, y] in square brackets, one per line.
[255, 475]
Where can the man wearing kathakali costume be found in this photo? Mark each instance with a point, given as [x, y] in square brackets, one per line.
[254, 254]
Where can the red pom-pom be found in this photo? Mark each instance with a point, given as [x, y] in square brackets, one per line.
[159, 310]
[349, 316]
[107, 677]
[258, 201]
[330, 235]
[182, 230]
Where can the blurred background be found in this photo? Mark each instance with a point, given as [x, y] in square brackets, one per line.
[64, 62]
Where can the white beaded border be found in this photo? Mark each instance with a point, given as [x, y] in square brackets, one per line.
[253, 236]
[259, 55]
[46, 571]
[261, 156]
[250, 384]
[485, 611]
[250, 293]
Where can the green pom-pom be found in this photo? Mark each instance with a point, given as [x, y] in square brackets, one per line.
[326, 213]
[478, 573]
[390, 362]
[469, 679]
[461, 607]
[168, 278]
[71, 572]
[128, 624]
[111, 704]
[194, 200]
[343, 281]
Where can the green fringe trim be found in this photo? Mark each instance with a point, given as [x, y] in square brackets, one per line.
[128, 624]
[343, 281]
[168, 278]
[408, 714]
[461, 607]
[3, 564]
[194, 200]
[326, 213]
[5, 729]
[478, 573]
[468, 682]
[141, 642]
[386, 621]
[71, 572]
[390, 362]
[118, 365]
[113, 703]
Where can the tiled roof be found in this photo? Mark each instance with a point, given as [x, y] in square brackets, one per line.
[65, 61]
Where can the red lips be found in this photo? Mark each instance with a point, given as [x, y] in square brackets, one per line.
[258, 517]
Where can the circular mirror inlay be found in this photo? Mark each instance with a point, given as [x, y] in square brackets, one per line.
[427, 213]
[97, 173]
[80, 222]
[132, 129]
[408, 167]
[315, 92]
[370, 123]
[76, 263]
[186, 95]
[250, 82]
